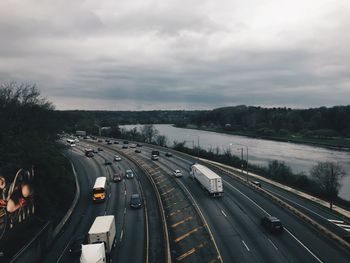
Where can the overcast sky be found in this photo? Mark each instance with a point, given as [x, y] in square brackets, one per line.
[120, 55]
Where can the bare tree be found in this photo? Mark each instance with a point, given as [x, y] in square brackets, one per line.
[25, 95]
[327, 176]
[149, 132]
[161, 140]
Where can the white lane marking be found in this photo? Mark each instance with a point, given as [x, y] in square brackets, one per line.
[273, 244]
[336, 221]
[109, 195]
[343, 225]
[121, 235]
[319, 260]
[223, 213]
[347, 229]
[262, 209]
[124, 192]
[125, 210]
[245, 245]
[304, 246]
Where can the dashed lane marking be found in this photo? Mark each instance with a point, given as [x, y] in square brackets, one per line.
[245, 245]
[222, 212]
[273, 244]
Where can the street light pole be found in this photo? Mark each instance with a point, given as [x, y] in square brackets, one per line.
[242, 160]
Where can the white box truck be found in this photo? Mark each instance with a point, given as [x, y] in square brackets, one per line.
[103, 231]
[208, 179]
[93, 253]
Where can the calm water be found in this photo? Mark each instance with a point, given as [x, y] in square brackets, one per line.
[299, 157]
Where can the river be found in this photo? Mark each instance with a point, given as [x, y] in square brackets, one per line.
[299, 157]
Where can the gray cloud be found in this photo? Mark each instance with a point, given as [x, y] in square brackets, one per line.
[151, 55]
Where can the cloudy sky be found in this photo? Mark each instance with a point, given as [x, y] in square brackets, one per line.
[143, 54]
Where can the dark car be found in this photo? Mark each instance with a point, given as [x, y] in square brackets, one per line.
[139, 145]
[95, 151]
[109, 143]
[99, 149]
[137, 151]
[257, 183]
[75, 246]
[117, 177]
[125, 142]
[135, 201]
[272, 224]
[99, 140]
[168, 154]
[107, 162]
[116, 142]
[125, 147]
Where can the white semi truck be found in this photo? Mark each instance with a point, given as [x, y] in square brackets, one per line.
[103, 231]
[208, 179]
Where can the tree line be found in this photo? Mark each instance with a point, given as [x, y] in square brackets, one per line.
[314, 122]
[28, 133]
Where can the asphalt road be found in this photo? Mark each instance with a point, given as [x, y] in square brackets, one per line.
[130, 223]
[235, 223]
[234, 219]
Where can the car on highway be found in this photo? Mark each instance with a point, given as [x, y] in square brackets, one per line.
[117, 177]
[133, 145]
[139, 145]
[106, 140]
[272, 224]
[168, 154]
[109, 143]
[125, 142]
[129, 174]
[99, 149]
[99, 140]
[177, 173]
[154, 157]
[137, 151]
[95, 151]
[116, 142]
[124, 147]
[108, 162]
[135, 201]
[117, 158]
[75, 246]
[257, 183]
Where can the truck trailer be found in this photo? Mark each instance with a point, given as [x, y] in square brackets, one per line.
[93, 253]
[103, 231]
[208, 179]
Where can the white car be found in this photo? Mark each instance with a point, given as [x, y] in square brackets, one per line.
[177, 173]
[133, 146]
[117, 158]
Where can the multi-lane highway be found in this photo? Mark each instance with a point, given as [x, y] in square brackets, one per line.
[131, 224]
[229, 227]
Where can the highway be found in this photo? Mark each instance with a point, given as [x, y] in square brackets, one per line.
[130, 223]
[235, 223]
[231, 223]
